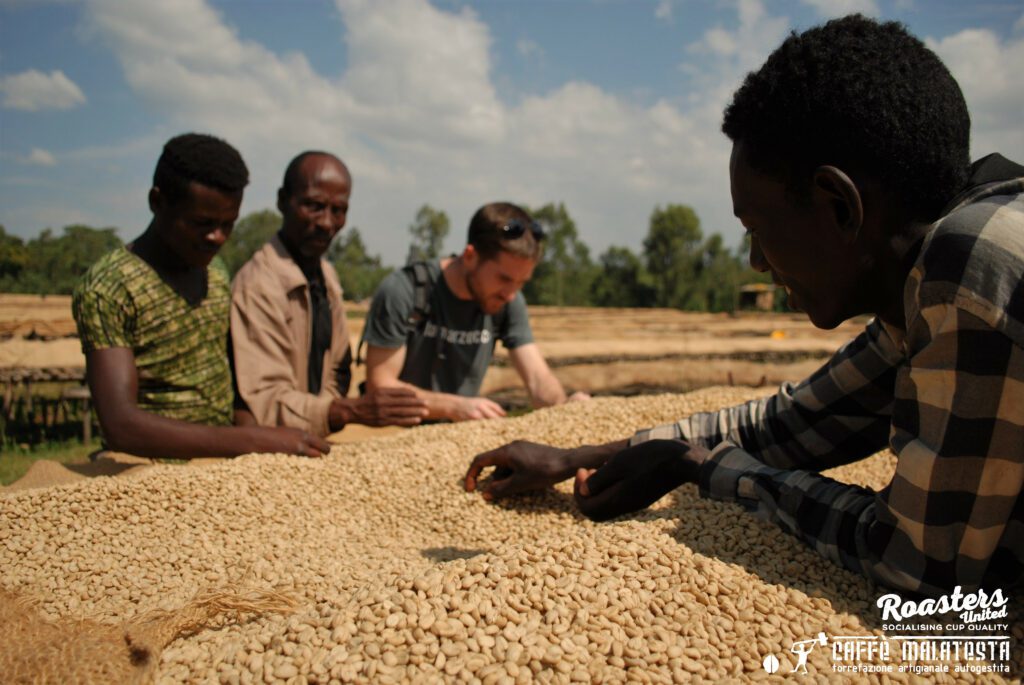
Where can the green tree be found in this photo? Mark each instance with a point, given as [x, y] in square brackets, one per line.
[56, 263]
[13, 255]
[251, 232]
[748, 275]
[622, 280]
[428, 233]
[717, 278]
[359, 272]
[672, 251]
[566, 272]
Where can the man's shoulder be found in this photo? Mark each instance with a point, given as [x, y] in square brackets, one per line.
[111, 273]
[111, 292]
[399, 284]
[115, 264]
[974, 257]
[517, 307]
[259, 265]
[983, 237]
[270, 271]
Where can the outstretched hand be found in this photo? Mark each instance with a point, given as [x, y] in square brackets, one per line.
[389, 406]
[637, 477]
[287, 441]
[519, 467]
[475, 408]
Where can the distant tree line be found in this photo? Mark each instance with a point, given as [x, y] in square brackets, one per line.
[677, 267]
[51, 264]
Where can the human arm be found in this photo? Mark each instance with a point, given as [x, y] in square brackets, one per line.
[383, 366]
[517, 337]
[523, 466]
[385, 406]
[839, 414]
[244, 417]
[113, 384]
[545, 390]
[958, 434]
[636, 477]
[795, 421]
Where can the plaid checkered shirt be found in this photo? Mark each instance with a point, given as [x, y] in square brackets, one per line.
[946, 396]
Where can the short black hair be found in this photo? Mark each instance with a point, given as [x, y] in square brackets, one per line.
[291, 173]
[864, 96]
[201, 158]
[488, 239]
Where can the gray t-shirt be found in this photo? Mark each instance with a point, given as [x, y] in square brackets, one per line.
[450, 350]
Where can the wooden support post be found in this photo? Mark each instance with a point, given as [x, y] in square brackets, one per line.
[86, 421]
[9, 400]
[82, 394]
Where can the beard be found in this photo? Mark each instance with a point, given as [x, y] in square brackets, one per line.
[489, 305]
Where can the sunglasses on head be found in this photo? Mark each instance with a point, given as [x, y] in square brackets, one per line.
[515, 228]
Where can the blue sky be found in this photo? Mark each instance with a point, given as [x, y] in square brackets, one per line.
[610, 106]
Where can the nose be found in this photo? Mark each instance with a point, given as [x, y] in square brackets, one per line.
[757, 260]
[325, 222]
[219, 235]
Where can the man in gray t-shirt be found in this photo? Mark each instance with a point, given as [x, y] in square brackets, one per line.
[433, 325]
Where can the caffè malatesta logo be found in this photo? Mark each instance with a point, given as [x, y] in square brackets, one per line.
[955, 633]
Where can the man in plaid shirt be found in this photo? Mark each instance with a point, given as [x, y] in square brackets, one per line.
[850, 171]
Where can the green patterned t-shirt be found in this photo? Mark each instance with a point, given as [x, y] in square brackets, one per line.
[180, 349]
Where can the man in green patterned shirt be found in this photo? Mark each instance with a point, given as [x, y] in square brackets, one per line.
[153, 319]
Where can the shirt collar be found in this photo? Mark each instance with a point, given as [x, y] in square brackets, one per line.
[281, 261]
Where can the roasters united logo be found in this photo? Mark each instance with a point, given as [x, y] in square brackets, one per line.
[956, 633]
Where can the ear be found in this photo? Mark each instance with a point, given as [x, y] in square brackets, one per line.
[156, 199]
[840, 198]
[470, 258]
[282, 199]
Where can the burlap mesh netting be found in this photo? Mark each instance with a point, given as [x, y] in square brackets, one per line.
[400, 576]
[82, 650]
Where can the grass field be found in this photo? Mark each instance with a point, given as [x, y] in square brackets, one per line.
[16, 460]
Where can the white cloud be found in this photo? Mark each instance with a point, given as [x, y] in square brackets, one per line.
[838, 8]
[734, 52]
[1018, 25]
[720, 42]
[33, 90]
[529, 48]
[41, 157]
[746, 46]
[988, 72]
[417, 118]
[663, 10]
[410, 63]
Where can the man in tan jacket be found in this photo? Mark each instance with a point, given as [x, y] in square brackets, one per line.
[290, 340]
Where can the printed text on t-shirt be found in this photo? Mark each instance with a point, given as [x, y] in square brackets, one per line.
[481, 337]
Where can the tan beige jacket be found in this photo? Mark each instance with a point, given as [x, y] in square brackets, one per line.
[271, 327]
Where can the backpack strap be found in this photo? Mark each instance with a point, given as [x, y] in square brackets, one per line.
[420, 302]
[421, 308]
[421, 293]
